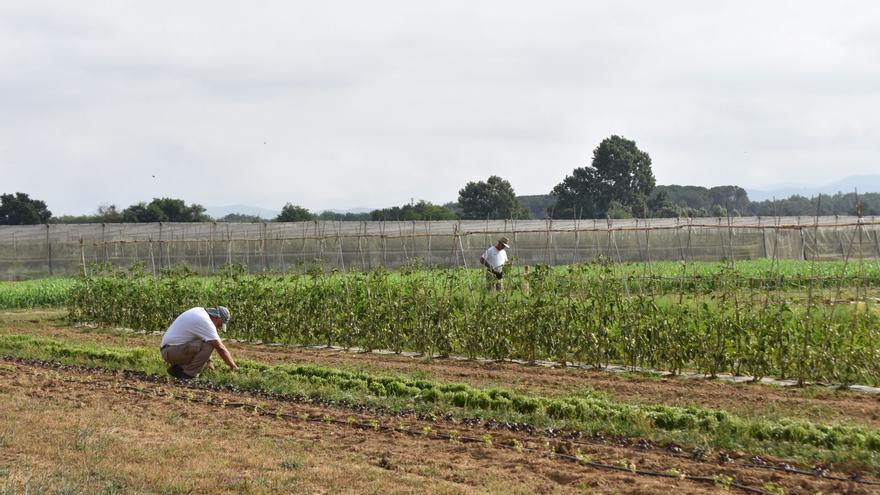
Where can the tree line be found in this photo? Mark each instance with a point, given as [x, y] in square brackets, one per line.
[618, 183]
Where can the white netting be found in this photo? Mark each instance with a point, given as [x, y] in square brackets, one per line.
[43, 250]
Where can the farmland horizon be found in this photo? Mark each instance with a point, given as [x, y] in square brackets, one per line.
[863, 183]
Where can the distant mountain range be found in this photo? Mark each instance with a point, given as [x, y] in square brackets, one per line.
[862, 183]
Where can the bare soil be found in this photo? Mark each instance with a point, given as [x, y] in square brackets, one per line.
[822, 404]
[88, 431]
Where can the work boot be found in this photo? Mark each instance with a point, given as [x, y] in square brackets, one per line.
[177, 372]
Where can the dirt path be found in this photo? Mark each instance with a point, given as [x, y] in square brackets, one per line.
[813, 403]
[88, 430]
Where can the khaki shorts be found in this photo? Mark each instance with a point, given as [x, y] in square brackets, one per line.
[191, 357]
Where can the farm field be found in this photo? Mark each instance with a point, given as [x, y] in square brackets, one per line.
[81, 392]
[450, 400]
[799, 329]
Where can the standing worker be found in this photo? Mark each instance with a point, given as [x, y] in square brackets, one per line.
[494, 260]
[190, 340]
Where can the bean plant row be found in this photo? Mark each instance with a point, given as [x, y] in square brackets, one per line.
[544, 314]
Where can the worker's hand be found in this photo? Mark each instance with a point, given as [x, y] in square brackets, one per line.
[211, 365]
[234, 368]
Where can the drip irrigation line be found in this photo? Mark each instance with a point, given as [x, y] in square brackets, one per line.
[820, 473]
[325, 419]
[817, 473]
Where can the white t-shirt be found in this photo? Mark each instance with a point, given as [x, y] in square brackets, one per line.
[495, 258]
[193, 324]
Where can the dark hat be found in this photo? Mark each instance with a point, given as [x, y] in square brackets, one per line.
[504, 240]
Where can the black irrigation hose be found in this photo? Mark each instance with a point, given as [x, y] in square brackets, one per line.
[818, 472]
[786, 468]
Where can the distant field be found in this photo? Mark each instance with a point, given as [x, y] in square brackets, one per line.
[664, 277]
[47, 292]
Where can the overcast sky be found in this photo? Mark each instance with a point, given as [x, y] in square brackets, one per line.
[343, 104]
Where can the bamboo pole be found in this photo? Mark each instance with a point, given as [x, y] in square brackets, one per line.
[82, 255]
[152, 259]
[48, 250]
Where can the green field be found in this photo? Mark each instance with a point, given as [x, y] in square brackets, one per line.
[657, 278]
[41, 293]
[811, 321]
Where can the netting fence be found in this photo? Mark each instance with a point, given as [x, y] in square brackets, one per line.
[36, 251]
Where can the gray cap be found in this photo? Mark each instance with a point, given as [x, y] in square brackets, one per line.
[219, 312]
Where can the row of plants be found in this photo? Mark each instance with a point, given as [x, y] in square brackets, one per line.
[590, 412]
[43, 293]
[659, 278]
[550, 316]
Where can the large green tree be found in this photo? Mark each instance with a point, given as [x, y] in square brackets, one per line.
[620, 176]
[20, 209]
[493, 198]
[294, 213]
[164, 210]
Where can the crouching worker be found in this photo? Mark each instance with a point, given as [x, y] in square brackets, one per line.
[192, 337]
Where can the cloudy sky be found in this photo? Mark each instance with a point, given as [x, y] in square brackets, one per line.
[343, 104]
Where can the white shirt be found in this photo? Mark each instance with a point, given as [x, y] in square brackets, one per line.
[495, 258]
[192, 325]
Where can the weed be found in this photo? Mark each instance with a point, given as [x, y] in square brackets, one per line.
[723, 481]
[83, 437]
[773, 488]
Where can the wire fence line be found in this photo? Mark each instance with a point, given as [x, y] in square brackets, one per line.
[35, 251]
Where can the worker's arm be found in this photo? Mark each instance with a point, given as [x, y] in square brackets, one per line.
[224, 353]
[488, 266]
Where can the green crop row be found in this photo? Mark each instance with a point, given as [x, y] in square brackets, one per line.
[593, 412]
[550, 316]
[52, 292]
[663, 277]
